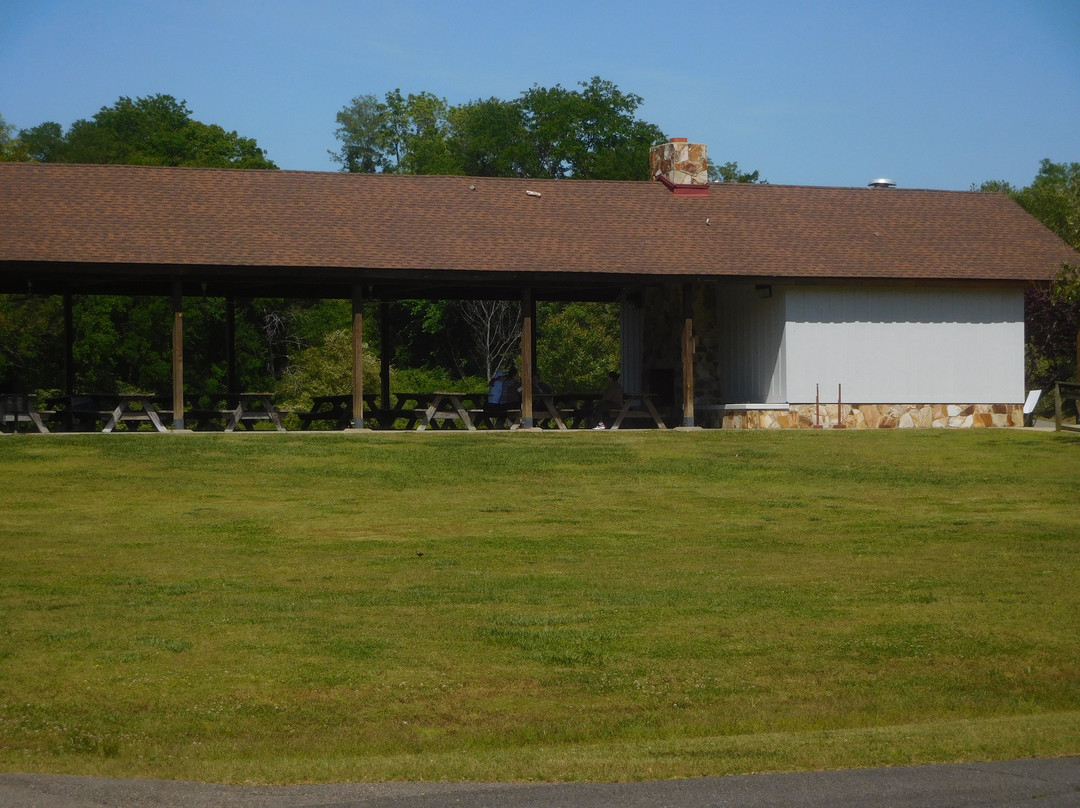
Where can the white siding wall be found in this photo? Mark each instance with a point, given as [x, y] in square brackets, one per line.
[889, 345]
[751, 345]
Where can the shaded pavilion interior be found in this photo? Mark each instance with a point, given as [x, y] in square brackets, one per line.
[382, 287]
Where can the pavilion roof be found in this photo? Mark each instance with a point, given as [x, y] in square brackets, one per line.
[318, 222]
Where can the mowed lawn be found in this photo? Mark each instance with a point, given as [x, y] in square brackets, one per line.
[605, 606]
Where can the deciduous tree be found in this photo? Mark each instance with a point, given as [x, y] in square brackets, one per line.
[155, 130]
[1052, 314]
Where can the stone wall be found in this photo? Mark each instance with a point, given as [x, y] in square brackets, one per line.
[662, 350]
[680, 162]
[877, 416]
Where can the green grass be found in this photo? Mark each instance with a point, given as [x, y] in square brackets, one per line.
[607, 606]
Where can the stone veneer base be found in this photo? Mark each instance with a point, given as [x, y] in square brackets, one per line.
[874, 416]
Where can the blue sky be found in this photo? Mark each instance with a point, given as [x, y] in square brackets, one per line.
[931, 94]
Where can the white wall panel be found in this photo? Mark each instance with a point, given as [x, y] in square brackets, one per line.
[895, 345]
[751, 345]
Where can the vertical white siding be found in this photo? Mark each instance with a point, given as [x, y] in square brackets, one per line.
[751, 345]
[888, 345]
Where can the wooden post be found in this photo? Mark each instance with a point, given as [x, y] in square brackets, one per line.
[178, 354]
[358, 357]
[528, 320]
[69, 345]
[688, 355]
[386, 337]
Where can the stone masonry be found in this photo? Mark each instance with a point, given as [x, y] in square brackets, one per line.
[876, 416]
[680, 163]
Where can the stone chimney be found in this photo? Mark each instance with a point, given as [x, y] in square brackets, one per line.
[683, 167]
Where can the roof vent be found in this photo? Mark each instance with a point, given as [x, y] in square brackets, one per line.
[881, 182]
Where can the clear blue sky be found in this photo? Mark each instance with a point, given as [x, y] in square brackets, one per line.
[931, 94]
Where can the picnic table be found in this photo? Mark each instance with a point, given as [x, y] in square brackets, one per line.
[563, 410]
[637, 406]
[135, 409]
[334, 409]
[16, 408]
[337, 410]
[446, 406]
[252, 408]
[229, 411]
[82, 412]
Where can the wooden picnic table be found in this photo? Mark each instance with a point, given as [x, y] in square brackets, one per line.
[639, 405]
[446, 406]
[336, 409]
[16, 408]
[135, 408]
[562, 410]
[82, 412]
[229, 411]
[253, 407]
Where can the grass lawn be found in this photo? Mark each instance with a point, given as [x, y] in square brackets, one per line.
[605, 606]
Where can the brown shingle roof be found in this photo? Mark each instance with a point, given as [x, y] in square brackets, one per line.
[230, 218]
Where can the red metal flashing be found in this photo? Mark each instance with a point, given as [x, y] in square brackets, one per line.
[684, 190]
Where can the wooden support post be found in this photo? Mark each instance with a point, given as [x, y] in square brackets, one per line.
[386, 338]
[528, 334]
[688, 355]
[358, 357]
[178, 354]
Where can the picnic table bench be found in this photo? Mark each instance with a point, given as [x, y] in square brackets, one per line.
[16, 408]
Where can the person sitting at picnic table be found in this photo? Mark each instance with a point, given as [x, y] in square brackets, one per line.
[540, 386]
[504, 391]
[610, 400]
[495, 388]
[511, 392]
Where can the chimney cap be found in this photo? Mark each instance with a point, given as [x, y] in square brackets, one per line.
[882, 182]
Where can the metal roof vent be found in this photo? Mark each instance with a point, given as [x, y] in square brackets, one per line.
[881, 182]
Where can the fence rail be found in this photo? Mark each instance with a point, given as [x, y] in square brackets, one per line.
[1066, 391]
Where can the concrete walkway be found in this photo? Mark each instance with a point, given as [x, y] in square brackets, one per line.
[1042, 783]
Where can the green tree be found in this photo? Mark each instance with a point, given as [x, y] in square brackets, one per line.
[44, 143]
[577, 344]
[1051, 315]
[1054, 199]
[489, 138]
[31, 346]
[401, 135]
[589, 133]
[363, 132]
[12, 149]
[586, 133]
[729, 172]
[155, 130]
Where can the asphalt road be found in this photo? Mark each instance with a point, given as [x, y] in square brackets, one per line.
[1043, 783]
